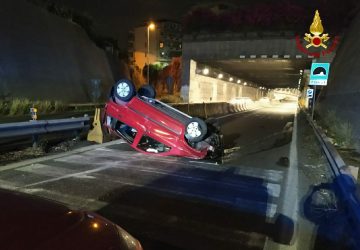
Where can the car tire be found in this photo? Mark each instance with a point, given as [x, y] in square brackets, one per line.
[195, 130]
[124, 90]
[147, 91]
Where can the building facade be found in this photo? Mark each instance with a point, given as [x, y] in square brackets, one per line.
[165, 42]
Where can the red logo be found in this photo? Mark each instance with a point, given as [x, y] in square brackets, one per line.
[317, 39]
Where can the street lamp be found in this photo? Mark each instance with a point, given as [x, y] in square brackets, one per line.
[151, 26]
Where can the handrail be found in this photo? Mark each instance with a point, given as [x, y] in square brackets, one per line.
[345, 185]
[37, 127]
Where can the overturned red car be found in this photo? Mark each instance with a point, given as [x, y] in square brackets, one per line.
[153, 127]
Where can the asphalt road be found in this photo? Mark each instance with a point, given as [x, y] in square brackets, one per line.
[174, 203]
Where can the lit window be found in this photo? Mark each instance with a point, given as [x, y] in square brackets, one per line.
[161, 45]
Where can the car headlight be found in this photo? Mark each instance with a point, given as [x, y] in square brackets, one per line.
[129, 240]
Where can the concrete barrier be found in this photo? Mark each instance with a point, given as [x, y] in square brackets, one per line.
[206, 110]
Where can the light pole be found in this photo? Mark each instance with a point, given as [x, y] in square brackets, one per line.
[151, 26]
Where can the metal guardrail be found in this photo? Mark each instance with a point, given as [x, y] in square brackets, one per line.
[37, 127]
[345, 186]
[88, 105]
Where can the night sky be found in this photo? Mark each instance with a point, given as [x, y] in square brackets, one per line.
[114, 18]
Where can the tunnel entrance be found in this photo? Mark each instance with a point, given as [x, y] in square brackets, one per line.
[224, 80]
[263, 72]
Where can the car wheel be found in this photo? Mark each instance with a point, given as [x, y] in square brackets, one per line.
[195, 130]
[124, 90]
[147, 91]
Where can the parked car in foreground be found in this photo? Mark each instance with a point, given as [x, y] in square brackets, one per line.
[153, 127]
[29, 222]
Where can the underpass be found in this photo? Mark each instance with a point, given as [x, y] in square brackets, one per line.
[212, 206]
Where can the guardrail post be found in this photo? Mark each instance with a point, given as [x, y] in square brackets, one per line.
[35, 140]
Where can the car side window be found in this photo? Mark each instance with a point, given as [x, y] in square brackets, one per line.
[151, 145]
[127, 132]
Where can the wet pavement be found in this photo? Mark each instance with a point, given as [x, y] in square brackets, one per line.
[174, 203]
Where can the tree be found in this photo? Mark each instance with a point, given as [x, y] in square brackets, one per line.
[153, 73]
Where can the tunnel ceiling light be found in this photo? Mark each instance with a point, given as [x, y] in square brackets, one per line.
[245, 83]
[220, 76]
[231, 79]
[238, 81]
[206, 71]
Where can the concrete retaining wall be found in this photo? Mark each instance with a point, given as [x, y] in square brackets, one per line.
[202, 88]
[44, 56]
[230, 46]
[342, 95]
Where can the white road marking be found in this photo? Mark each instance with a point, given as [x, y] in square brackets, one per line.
[289, 202]
[69, 200]
[240, 202]
[270, 207]
[85, 176]
[273, 189]
[7, 185]
[266, 174]
[290, 199]
[113, 155]
[50, 171]
[51, 157]
[71, 175]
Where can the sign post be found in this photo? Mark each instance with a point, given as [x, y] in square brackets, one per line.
[313, 104]
[318, 77]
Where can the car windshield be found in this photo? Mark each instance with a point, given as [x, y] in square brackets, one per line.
[127, 132]
[151, 145]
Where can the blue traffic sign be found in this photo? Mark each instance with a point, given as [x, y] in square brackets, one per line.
[310, 93]
[319, 74]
